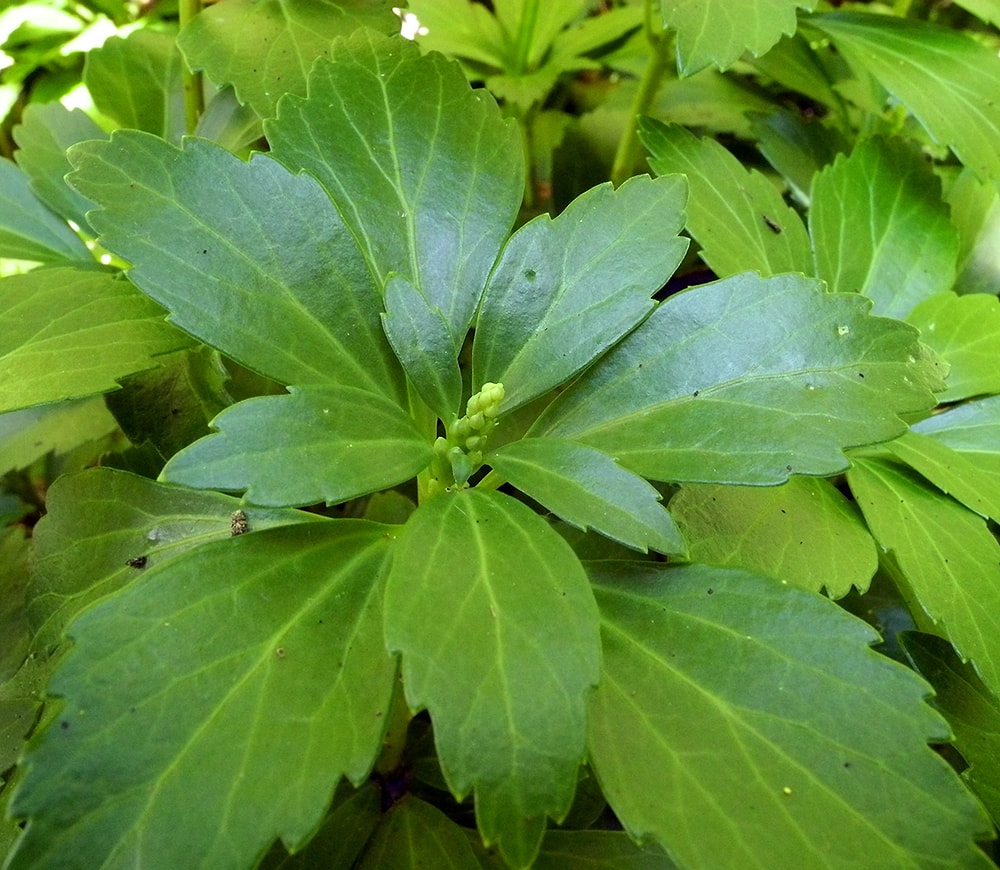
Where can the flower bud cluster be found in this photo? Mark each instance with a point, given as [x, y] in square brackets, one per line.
[461, 453]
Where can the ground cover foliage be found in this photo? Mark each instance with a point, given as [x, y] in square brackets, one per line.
[569, 437]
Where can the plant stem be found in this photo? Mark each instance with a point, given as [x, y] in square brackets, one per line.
[194, 92]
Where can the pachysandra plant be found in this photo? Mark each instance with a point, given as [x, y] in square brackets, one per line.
[472, 395]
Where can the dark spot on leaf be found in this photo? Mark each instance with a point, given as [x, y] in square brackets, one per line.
[64, 725]
[280, 652]
[137, 562]
[204, 250]
[771, 225]
[711, 591]
[788, 468]
[530, 274]
[861, 374]
[695, 393]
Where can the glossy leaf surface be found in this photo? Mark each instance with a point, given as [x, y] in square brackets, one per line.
[737, 215]
[316, 444]
[27, 435]
[804, 533]
[879, 227]
[741, 723]
[253, 667]
[66, 333]
[747, 380]
[436, 198]
[498, 629]
[29, 230]
[248, 257]
[566, 289]
[590, 490]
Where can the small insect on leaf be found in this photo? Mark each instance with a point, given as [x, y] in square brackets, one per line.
[238, 524]
[137, 562]
[771, 225]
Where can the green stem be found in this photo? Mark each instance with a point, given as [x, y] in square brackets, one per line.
[426, 422]
[194, 92]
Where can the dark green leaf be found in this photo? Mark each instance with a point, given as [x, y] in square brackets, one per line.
[804, 533]
[414, 835]
[945, 559]
[26, 436]
[424, 345]
[248, 257]
[565, 290]
[585, 850]
[499, 635]
[742, 723]
[748, 380]
[423, 170]
[947, 80]
[590, 490]
[104, 528]
[737, 215]
[72, 332]
[13, 622]
[20, 704]
[316, 444]
[797, 147]
[879, 227]
[265, 48]
[253, 667]
[28, 230]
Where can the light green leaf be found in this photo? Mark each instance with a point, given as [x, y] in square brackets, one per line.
[437, 197]
[737, 216]
[316, 444]
[28, 230]
[229, 123]
[99, 521]
[945, 560]
[69, 332]
[253, 667]
[424, 345]
[988, 10]
[748, 380]
[458, 28]
[975, 212]
[800, 65]
[947, 80]
[499, 635]
[137, 82]
[248, 257]
[803, 533]
[562, 293]
[785, 757]
[45, 132]
[590, 490]
[970, 708]
[265, 48]
[414, 835]
[709, 32]
[965, 331]
[879, 227]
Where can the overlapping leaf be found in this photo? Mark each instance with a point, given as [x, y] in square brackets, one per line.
[804, 533]
[737, 215]
[787, 754]
[879, 227]
[28, 230]
[26, 436]
[251, 668]
[423, 170]
[69, 332]
[947, 80]
[413, 835]
[565, 290]
[315, 444]
[945, 559]
[248, 257]
[748, 380]
[592, 849]
[499, 635]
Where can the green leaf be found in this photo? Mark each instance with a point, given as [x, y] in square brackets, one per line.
[13, 621]
[786, 757]
[587, 850]
[965, 332]
[424, 345]
[253, 667]
[988, 10]
[69, 332]
[970, 708]
[104, 528]
[248, 257]
[737, 215]
[137, 82]
[975, 212]
[973, 430]
[589, 489]
[499, 635]
[748, 380]
[879, 227]
[437, 198]
[28, 230]
[946, 561]
[708, 32]
[565, 290]
[803, 533]
[947, 80]
[265, 48]
[797, 147]
[415, 835]
[335, 443]
[45, 132]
